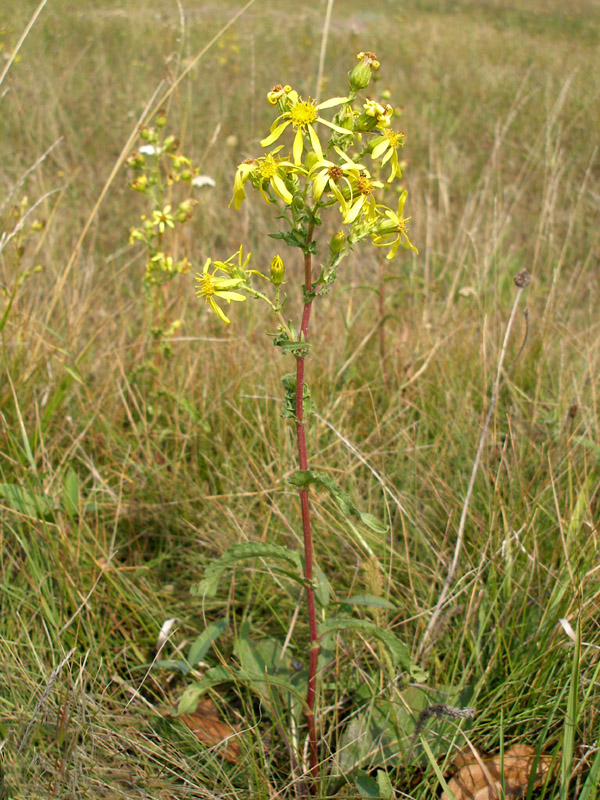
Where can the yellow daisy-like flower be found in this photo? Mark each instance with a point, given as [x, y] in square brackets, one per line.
[269, 169]
[163, 219]
[209, 286]
[386, 146]
[361, 199]
[301, 115]
[392, 231]
[326, 174]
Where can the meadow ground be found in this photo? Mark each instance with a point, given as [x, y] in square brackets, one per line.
[122, 476]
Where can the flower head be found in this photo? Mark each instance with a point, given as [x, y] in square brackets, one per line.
[361, 199]
[163, 219]
[385, 147]
[392, 230]
[302, 115]
[209, 286]
[265, 171]
[326, 174]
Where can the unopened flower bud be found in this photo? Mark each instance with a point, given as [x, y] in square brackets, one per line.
[136, 161]
[338, 240]
[161, 118]
[360, 76]
[277, 271]
[140, 184]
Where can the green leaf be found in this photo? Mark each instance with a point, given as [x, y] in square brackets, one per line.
[200, 646]
[397, 650]
[368, 600]
[304, 478]
[243, 552]
[289, 400]
[25, 502]
[386, 790]
[174, 666]
[264, 670]
[213, 677]
[322, 588]
[369, 737]
[367, 786]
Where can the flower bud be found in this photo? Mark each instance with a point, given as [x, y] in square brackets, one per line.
[360, 76]
[140, 184]
[277, 271]
[338, 240]
[161, 118]
[136, 161]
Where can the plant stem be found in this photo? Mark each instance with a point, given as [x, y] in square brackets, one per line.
[304, 502]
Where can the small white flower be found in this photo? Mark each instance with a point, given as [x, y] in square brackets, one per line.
[149, 150]
[203, 180]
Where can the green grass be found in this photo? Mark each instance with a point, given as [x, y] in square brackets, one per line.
[142, 481]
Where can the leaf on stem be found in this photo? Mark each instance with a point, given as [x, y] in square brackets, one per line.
[302, 479]
[398, 651]
[241, 552]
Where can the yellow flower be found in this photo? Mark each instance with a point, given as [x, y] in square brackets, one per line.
[382, 112]
[386, 146]
[362, 198]
[392, 230]
[163, 219]
[209, 286]
[326, 173]
[263, 171]
[301, 115]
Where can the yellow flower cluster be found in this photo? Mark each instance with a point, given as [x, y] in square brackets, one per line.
[331, 173]
[334, 161]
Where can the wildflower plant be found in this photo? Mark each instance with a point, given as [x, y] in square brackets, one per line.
[321, 159]
[160, 171]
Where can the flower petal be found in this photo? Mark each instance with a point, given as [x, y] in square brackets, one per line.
[333, 101]
[334, 127]
[229, 296]
[298, 147]
[218, 310]
[379, 149]
[281, 189]
[354, 211]
[314, 140]
[275, 134]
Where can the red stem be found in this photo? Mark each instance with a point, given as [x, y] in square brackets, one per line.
[308, 543]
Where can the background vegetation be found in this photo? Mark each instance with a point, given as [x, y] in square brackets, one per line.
[119, 486]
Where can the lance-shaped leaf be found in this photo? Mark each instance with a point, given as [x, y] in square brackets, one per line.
[243, 552]
[397, 649]
[304, 478]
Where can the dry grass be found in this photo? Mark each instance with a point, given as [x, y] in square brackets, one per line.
[500, 110]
